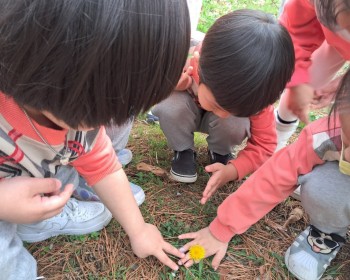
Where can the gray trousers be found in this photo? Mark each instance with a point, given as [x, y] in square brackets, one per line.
[15, 261]
[325, 196]
[119, 135]
[179, 117]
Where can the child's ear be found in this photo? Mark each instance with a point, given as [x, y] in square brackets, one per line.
[196, 56]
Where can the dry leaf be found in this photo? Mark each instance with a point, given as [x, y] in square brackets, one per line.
[295, 215]
[150, 168]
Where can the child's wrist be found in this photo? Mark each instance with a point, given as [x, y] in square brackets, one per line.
[232, 171]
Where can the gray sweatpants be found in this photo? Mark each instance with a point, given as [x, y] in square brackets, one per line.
[15, 261]
[179, 117]
[325, 196]
[119, 135]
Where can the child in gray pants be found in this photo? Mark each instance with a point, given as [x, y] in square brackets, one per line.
[226, 91]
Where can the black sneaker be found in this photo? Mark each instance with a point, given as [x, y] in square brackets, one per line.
[214, 157]
[183, 166]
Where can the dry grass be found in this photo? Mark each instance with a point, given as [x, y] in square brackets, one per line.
[175, 209]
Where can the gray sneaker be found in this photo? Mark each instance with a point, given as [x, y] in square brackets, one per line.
[311, 253]
[76, 218]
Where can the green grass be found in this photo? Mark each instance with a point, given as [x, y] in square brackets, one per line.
[214, 9]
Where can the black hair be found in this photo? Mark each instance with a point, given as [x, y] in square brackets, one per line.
[91, 62]
[246, 60]
[341, 103]
[328, 10]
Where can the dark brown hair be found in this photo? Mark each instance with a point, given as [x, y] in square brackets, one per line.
[341, 103]
[328, 10]
[91, 62]
[246, 60]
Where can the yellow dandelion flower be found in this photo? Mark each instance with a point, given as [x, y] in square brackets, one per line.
[197, 252]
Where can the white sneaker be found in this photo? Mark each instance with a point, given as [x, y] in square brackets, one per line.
[77, 217]
[284, 132]
[296, 193]
[85, 193]
[138, 193]
[124, 156]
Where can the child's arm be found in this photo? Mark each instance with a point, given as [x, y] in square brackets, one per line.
[299, 17]
[114, 191]
[29, 200]
[101, 169]
[260, 146]
[258, 195]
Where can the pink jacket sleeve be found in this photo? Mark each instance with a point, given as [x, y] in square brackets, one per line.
[260, 146]
[99, 162]
[263, 190]
[300, 19]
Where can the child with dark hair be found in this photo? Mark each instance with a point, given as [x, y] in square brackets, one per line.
[321, 38]
[226, 91]
[67, 68]
[319, 160]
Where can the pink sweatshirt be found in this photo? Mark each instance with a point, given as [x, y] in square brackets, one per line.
[276, 179]
[307, 33]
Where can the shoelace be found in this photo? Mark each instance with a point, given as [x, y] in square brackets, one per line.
[71, 209]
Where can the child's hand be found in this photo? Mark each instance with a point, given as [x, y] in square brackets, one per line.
[299, 99]
[221, 175]
[149, 241]
[185, 79]
[28, 200]
[211, 245]
[323, 97]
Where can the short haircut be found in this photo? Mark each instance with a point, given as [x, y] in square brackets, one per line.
[92, 62]
[328, 10]
[247, 58]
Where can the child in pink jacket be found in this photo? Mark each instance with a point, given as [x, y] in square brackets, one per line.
[319, 161]
[321, 38]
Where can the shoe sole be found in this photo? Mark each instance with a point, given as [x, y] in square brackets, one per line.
[37, 237]
[286, 261]
[183, 178]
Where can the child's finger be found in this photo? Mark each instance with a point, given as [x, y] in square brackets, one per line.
[189, 70]
[55, 202]
[45, 185]
[163, 258]
[189, 263]
[196, 55]
[204, 200]
[217, 259]
[184, 260]
[68, 190]
[189, 235]
[50, 214]
[211, 187]
[212, 167]
[170, 249]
